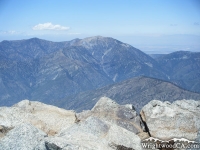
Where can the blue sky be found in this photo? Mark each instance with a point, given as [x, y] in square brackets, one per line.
[154, 26]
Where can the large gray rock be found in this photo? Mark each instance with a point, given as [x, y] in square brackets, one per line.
[48, 118]
[121, 115]
[95, 134]
[85, 135]
[165, 120]
[23, 137]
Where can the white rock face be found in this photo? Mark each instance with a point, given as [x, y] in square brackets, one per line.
[165, 121]
[23, 137]
[48, 118]
[95, 134]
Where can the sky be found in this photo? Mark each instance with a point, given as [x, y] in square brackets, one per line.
[153, 26]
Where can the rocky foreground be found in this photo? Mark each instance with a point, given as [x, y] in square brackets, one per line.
[31, 125]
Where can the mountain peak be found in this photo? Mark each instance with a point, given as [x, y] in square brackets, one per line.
[91, 42]
[98, 37]
[182, 52]
[35, 39]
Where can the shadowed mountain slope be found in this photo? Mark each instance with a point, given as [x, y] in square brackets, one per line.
[137, 91]
[183, 69]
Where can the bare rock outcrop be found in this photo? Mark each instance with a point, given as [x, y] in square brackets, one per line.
[95, 134]
[124, 116]
[165, 120]
[35, 126]
[48, 118]
[107, 126]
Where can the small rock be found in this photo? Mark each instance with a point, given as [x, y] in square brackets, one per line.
[4, 131]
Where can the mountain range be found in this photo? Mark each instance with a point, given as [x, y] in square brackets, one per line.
[50, 72]
[183, 67]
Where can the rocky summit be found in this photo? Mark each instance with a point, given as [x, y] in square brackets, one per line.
[31, 125]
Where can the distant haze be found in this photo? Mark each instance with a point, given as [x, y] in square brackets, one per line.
[164, 44]
[156, 26]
